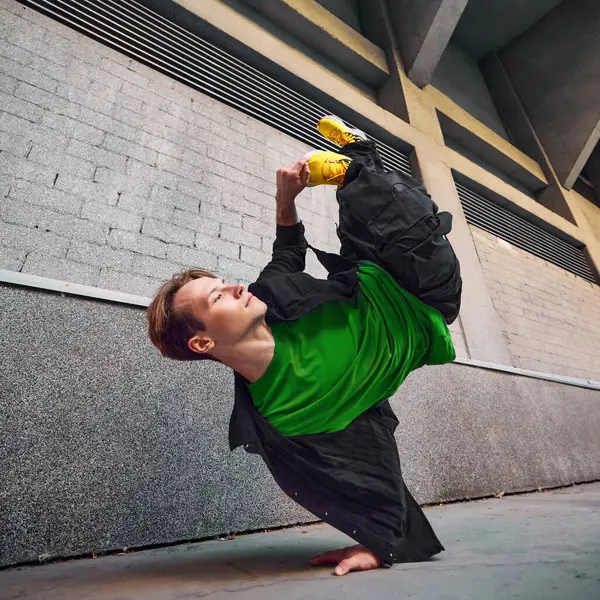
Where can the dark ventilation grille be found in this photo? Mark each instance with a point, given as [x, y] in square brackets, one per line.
[518, 231]
[135, 30]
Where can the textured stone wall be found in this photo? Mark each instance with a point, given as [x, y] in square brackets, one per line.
[116, 176]
[106, 444]
[550, 317]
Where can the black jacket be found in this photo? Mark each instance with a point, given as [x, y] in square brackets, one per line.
[351, 478]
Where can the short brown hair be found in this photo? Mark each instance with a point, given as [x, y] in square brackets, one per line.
[169, 329]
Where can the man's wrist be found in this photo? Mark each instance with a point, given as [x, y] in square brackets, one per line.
[286, 212]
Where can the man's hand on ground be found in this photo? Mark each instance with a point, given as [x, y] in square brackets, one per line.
[353, 558]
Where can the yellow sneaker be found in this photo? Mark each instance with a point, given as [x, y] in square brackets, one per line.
[327, 168]
[336, 131]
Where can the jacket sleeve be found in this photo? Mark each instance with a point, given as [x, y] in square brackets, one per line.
[289, 252]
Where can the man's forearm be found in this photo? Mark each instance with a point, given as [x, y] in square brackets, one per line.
[286, 213]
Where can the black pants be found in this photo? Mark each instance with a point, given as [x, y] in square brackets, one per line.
[388, 218]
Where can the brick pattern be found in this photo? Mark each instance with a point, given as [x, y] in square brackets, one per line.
[114, 175]
[550, 317]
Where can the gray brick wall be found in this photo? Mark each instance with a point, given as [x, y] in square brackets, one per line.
[116, 176]
[551, 318]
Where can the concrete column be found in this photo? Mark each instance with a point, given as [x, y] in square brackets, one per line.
[423, 29]
[481, 325]
[554, 68]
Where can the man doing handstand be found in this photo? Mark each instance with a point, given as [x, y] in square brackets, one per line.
[315, 360]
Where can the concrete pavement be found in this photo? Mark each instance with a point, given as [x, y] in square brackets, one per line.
[542, 546]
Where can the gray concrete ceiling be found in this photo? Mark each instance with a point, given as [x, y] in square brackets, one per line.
[487, 25]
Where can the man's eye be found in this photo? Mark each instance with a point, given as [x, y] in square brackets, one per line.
[219, 296]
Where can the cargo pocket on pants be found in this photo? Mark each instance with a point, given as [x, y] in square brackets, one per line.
[421, 258]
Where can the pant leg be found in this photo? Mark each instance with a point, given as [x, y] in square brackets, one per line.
[357, 241]
[363, 153]
[388, 218]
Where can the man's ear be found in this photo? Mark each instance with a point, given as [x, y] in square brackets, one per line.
[201, 344]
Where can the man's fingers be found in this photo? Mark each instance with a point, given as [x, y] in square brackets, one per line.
[327, 558]
[305, 174]
[298, 165]
[345, 566]
[357, 562]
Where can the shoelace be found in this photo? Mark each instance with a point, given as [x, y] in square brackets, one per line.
[341, 138]
[334, 168]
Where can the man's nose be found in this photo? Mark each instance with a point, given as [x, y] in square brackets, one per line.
[237, 289]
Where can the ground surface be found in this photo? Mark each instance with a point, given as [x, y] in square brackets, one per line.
[542, 546]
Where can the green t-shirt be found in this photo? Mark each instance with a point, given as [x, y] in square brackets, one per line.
[342, 358]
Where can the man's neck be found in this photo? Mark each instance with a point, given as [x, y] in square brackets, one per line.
[252, 355]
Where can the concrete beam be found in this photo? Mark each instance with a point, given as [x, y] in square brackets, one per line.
[554, 68]
[346, 10]
[582, 158]
[423, 29]
[483, 343]
[322, 30]
[376, 25]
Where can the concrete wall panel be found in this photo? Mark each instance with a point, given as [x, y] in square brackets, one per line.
[107, 445]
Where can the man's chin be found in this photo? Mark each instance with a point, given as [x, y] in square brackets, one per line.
[259, 317]
[258, 306]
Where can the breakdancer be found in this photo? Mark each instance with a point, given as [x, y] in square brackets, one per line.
[315, 360]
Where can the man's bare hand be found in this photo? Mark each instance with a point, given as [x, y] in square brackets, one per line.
[353, 558]
[292, 180]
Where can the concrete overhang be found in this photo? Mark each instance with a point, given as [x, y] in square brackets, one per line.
[464, 129]
[524, 171]
[323, 31]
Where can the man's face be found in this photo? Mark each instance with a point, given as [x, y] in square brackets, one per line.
[228, 310]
